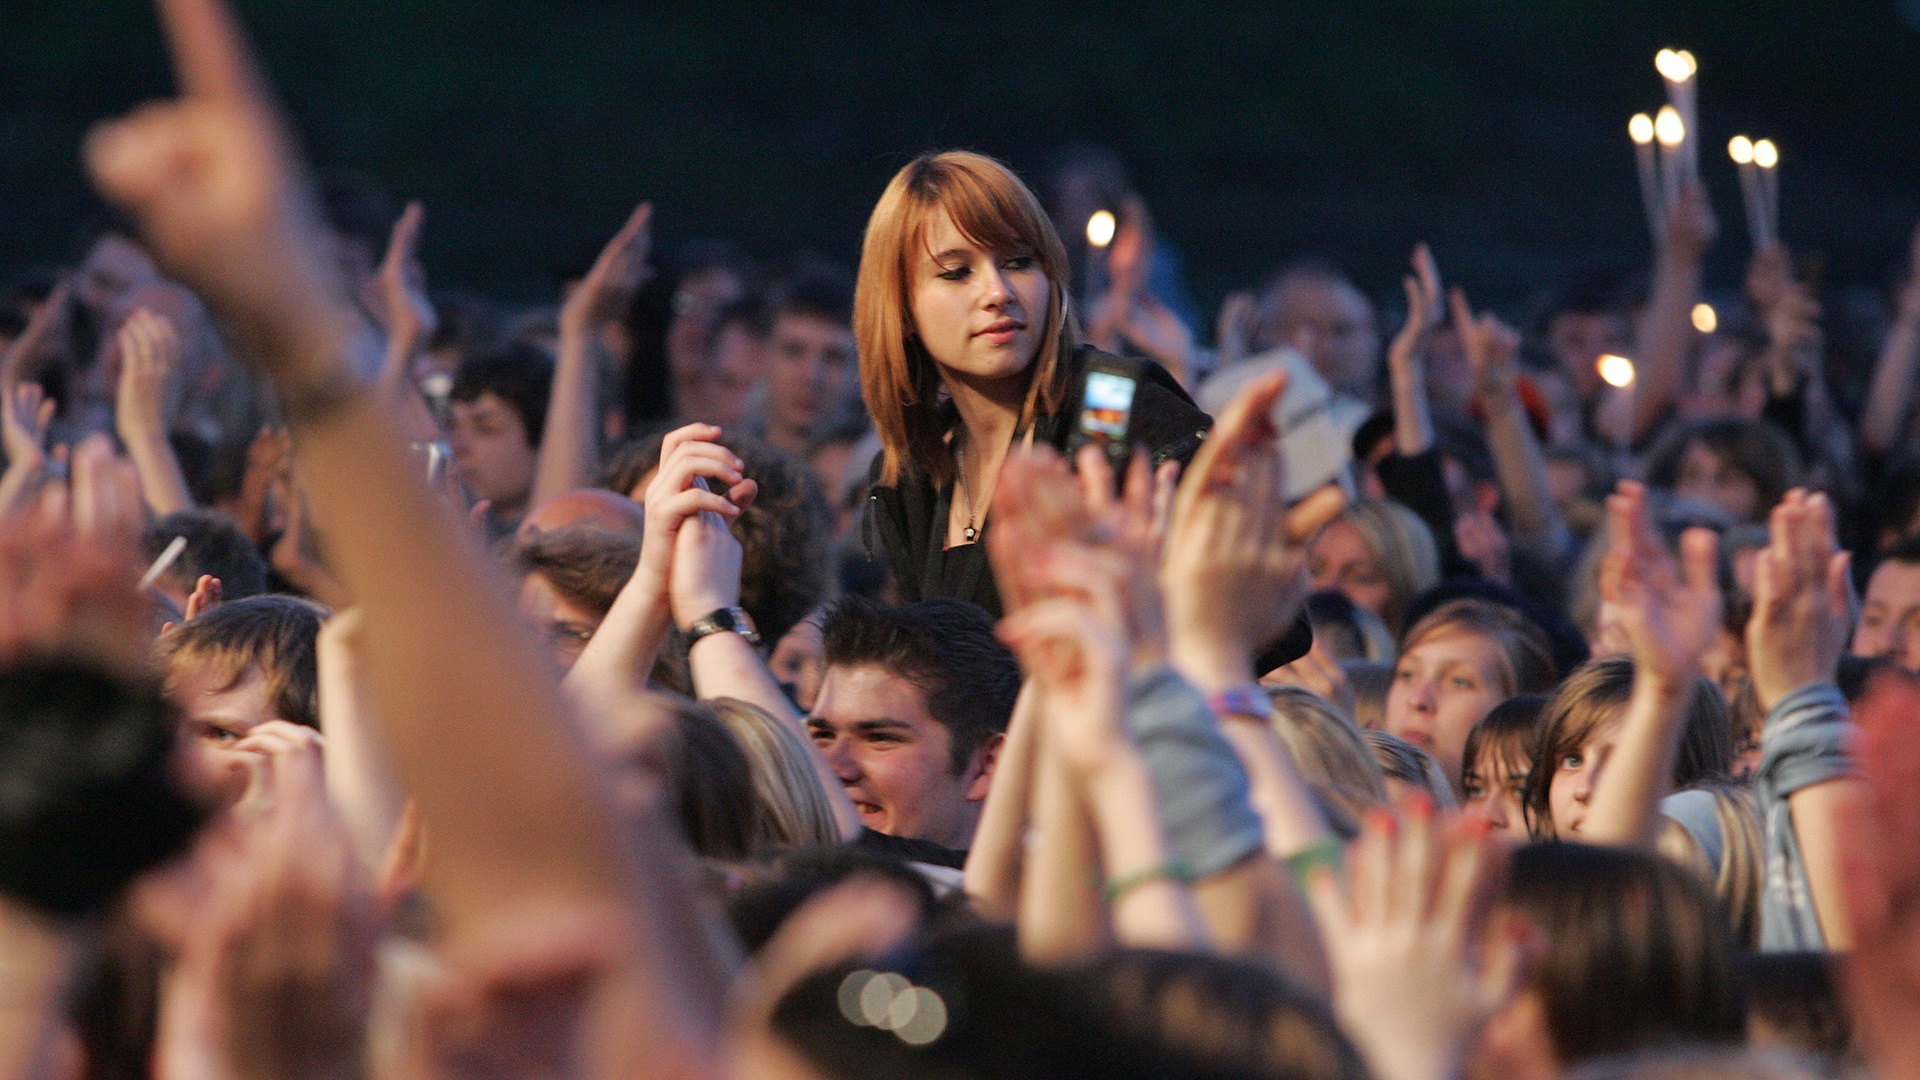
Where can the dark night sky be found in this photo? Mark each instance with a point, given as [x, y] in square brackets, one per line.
[1494, 130]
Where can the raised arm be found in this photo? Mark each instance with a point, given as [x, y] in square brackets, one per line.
[472, 715]
[570, 448]
[1517, 459]
[1407, 357]
[1890, 398]
[1802, 611]
[1664, 338]
[25, 413]
[149, 355]
[1671, 617]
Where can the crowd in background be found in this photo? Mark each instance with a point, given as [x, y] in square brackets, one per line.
[739, 667]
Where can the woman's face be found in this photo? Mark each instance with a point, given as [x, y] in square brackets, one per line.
[1442, 686]
[1576, 775]
[1495, 789]
[1710, 478]
[980, 314]
[1340, 559]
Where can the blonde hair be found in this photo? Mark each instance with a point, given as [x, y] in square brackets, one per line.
[1401, 760]
[1332, 755]
[1403, 544]
[994, 210]
[794, 809]
[1735, 881]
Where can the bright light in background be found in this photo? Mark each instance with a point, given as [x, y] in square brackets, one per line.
[1616, 370]
[1100, 228]
[1765, 154]
[1675, 65]
[1705, 319]
[1670, 129]
[1741, 150]
[1640, 128]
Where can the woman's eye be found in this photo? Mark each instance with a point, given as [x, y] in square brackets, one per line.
[1473, 790]
[1571, 761]
[1018, 262]
[1459, 683]
[958, 273]
[1404, 674]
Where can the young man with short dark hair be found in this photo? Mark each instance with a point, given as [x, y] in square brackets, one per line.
[499, 407]
[911, 717]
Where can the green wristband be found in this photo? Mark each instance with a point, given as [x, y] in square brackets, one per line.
[1171, 870]
[1327, 852]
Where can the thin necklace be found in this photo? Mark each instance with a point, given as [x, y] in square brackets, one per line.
[966, 496]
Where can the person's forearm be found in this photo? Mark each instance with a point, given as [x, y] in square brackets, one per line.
[360, 780]
[1522, 470]
[17, 484]
[1665, 338]
[570, 445]
[162, 484]
[1816, 814]
[994, 861]
[1412, 415]
[726, 665]
[472, 717]
[1156, 913]
[1890, 399]
[622, 651]
[1625, 807]
[1062, 919]
[37, 960]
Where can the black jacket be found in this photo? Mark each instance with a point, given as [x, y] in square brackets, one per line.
[900, 525]
[905, 520]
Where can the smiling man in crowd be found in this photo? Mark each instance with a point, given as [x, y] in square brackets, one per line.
[911, 717]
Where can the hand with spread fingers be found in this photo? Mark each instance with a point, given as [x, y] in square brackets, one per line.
[1415, 974]
[1234, 572]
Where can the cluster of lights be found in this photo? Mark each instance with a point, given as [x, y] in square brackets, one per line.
[916, 1015]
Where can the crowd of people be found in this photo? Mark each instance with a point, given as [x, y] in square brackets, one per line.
[758, 671]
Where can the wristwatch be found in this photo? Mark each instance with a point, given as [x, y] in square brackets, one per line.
[725, 619]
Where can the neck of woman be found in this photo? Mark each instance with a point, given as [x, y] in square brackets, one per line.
[989, 413]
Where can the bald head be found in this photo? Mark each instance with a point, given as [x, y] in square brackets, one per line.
[591, 507]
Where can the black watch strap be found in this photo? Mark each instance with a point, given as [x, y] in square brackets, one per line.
[725, 619]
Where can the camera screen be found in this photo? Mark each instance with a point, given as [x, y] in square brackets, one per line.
[1109, 398]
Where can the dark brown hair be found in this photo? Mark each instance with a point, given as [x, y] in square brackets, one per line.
[1593, 696]
[275, 634]
[1638, 955]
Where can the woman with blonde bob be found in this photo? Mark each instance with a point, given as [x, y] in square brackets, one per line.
[969, 345]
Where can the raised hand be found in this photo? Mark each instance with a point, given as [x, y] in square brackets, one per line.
[708, 577]
[1406, 356]
[70, 569]
[1415, 976]
[404, 310]
[37, 337]
[24, 418]
[1669, 614]
[1690, 227]
[1490, 345]
[204, 598]
[296, 555]
[214, 181]
[149, 357]
[1234, 328]
[1234, 572]
[622, 268]
[276, 981]
[1802, 600]
[150, 351]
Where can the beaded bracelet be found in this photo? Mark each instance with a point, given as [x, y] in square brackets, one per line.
[1246, 699]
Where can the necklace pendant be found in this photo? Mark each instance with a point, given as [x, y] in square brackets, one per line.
[972, 534]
